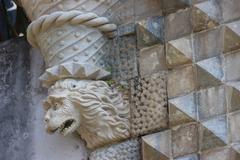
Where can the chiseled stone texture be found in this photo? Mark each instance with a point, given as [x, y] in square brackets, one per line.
[128, 150]
[149, 104]
[122, 12]
[124, 58]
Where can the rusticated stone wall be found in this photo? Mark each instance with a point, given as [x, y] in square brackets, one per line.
[181, 62]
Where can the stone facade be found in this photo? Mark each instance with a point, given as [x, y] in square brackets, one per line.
[176, 64]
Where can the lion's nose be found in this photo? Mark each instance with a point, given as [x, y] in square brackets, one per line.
[47, 117]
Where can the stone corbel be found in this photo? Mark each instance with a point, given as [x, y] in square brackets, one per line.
[70, 41]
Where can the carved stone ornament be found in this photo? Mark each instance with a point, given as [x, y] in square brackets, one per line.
[92, 108]
[71, 35]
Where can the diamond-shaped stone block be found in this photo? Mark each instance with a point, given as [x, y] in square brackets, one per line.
[211, 102]
[201, 17]
[179, 52]
[157, 146]
[214, 133]
[209, 72]
[185, 139]
[182, 109]
[178, 25]
[232, 36]
[152, 60]
[150, 31]
[181, 81]
[208, 44]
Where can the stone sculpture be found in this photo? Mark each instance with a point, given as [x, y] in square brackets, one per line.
[92, 108]
[71, 36]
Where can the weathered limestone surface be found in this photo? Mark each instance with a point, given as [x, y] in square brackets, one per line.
[15, 101]
[194, 107]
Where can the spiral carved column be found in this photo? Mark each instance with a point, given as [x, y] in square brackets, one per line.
[71, 35]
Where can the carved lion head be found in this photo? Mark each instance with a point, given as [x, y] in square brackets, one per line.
[92, 108]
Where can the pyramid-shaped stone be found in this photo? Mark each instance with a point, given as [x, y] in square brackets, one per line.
[157, 146]
[232, 36]
[218, 126]
[201, 20]
[150, 31]
[209, 140]
[182, 109]
[211, 10]
[179, 52]
[209, 72]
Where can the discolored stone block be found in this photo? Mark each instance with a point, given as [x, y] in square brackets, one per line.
[179, 52]
[178, 24]
[232, 36]
[126, 150]
[232, 65]
[171, 6]
[234, 125]
[201, 18]
[208, 44]
[181, 81]
[150, 31]
[147, 8]
[149, 104]
[157, 146]
[152, 60]
[211, 102]
[185, 139]
[233, 96]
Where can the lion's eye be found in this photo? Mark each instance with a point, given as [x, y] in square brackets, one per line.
[55, 106]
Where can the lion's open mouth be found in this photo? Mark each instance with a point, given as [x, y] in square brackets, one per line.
[66, 127]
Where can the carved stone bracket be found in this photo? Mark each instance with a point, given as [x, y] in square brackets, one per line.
[70, 39]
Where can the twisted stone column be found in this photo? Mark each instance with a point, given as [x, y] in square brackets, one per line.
[70, 35]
